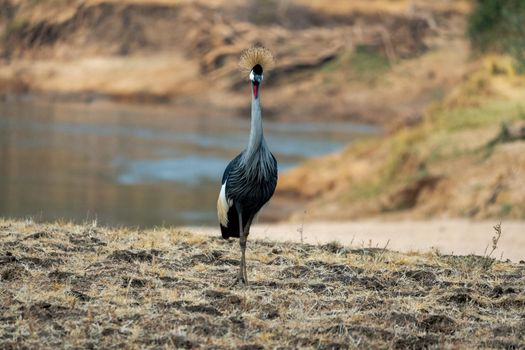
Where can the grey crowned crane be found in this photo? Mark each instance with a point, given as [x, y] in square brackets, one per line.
[250, 179]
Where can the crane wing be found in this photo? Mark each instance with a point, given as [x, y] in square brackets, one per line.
[223, 202]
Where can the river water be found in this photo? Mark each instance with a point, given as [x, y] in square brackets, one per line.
[134, 166]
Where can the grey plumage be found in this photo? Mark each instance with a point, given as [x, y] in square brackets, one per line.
[250, 179]
[249, 189]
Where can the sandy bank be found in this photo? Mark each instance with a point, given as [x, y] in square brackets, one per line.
[460, 237]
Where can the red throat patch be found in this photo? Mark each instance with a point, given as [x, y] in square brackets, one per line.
[255, 90]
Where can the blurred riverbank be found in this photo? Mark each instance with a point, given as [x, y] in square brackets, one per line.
[405, 66]
[334, 62]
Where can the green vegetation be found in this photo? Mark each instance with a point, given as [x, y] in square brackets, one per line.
[14, 27]
[497, 25]
[367, 62]
[489, 113]
[363, 63]
[459, 127]
[506, 209]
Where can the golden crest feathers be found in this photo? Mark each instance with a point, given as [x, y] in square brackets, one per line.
[256, 55]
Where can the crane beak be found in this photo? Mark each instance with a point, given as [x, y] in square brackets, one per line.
[256, 82]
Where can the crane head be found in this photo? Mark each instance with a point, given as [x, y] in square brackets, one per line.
[253, 60]
[256, 76]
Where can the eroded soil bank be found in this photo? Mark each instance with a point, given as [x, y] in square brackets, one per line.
[334, 62]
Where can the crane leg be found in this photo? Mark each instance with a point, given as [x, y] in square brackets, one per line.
[242, 276]
[242, 272]
[245, 234]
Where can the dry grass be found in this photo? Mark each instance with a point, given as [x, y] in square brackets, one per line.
[87, 286]
[387, 6]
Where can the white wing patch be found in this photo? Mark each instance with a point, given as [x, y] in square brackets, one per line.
[223, 205]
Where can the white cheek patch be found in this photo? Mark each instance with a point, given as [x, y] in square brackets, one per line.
[251, 76]
[223, 207]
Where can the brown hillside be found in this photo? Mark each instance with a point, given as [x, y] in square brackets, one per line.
[334, 62]
[466, 159]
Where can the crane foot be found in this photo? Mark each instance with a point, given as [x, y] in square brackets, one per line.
[239, 280]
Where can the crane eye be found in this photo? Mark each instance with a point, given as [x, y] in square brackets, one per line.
[257, 69]
[254, 77]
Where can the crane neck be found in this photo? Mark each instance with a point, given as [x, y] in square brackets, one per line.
[256, 140]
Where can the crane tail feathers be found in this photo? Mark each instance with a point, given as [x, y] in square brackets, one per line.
[223, 207]
[232, 228]
[227, 214]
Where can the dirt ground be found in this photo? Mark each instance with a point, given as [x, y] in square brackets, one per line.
[85, 286]
[460, 237]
